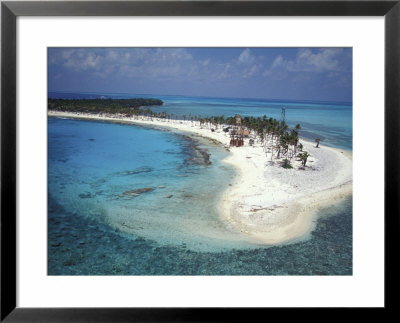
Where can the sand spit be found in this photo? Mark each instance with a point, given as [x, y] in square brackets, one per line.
[266, 203]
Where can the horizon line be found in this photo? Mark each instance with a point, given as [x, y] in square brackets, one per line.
[215, 97]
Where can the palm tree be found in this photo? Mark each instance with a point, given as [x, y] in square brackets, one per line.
[303, 157]
[300, 146]
[294, 139]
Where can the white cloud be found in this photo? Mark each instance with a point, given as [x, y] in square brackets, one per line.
[79, 60]
[324, 60]
[161, 64]
[225, 72]
[246, 57]
[247, 65]
[278, 62]
[206, 62]
[102, 62]
[254, 69]
[307, 60]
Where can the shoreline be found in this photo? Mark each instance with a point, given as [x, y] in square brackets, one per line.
[266, 203]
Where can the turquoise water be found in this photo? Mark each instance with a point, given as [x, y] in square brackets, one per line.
[129, 200]
[141, 181]
[332, 122]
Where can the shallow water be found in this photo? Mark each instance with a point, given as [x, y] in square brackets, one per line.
[155, 184]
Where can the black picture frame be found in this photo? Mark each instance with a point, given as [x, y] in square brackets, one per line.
[10, 10]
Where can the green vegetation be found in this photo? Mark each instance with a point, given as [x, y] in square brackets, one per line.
[275, 136]
[127, 107]
[286, 164]
[303, 157]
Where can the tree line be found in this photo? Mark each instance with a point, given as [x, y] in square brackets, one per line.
[110, 106]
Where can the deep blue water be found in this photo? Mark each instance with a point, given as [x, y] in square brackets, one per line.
[129, 200]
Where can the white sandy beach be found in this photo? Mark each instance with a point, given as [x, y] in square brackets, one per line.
[265, 202]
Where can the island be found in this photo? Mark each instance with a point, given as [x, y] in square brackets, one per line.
[282, 180]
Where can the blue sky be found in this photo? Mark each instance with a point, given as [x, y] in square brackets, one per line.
[316, 74]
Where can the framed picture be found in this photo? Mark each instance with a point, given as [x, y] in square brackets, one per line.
[81, 222]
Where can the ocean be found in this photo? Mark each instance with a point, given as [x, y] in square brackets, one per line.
[132, 200]
[332, 122]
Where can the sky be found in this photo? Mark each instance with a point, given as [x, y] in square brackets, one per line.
[312, 74]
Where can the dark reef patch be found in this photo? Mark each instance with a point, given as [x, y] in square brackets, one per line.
[196, 155]
[85, 195]
[139, 170]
